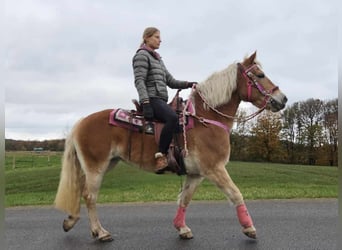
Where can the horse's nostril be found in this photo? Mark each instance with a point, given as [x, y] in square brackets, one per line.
[285, 99]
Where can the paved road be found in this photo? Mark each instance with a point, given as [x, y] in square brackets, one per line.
[289, 224]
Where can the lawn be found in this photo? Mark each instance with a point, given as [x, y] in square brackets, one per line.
[32, 179]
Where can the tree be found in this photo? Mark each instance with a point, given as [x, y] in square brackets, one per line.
[266, 137]
[239, 137]
[289, 131]
[311, 118]
[331, 130]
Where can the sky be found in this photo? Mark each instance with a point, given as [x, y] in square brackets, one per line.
[67, 59]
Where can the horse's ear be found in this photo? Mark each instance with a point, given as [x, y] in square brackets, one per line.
[252, 58]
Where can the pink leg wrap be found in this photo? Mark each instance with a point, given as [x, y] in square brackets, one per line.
[179, 220]
[243, 215]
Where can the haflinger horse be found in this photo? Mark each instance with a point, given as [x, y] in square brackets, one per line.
[94, 146]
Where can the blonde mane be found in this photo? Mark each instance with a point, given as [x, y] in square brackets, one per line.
[218, 88]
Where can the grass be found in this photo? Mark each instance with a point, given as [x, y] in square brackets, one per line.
[36, 183]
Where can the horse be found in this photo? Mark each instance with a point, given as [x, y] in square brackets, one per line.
[94, 146]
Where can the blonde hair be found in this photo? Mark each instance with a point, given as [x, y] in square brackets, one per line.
[148, 32]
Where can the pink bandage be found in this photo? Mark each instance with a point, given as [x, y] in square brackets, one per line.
[243, 215]
[179, 220]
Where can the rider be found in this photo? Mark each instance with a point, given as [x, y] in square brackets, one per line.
[151, 80]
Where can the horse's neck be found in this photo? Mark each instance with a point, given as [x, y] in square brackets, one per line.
[229, 109]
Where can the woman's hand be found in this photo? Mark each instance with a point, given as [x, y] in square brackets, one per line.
[190, 84]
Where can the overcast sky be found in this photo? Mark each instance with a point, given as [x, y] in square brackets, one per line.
[66, 59]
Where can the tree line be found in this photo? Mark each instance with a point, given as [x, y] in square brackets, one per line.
[305, 132]
[21, 145]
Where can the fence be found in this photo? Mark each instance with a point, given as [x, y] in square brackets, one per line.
[31, 159]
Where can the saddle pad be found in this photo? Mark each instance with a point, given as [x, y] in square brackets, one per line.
[124, 118]
[127, 119]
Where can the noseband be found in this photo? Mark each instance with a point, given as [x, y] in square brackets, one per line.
[252, 81]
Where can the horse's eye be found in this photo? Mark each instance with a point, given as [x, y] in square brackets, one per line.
[261, 75]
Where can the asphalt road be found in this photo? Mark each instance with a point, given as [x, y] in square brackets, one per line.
[280, 224]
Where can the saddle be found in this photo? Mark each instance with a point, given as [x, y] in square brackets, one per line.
[134, 120]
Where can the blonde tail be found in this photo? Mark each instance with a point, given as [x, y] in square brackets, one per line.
[69, 190]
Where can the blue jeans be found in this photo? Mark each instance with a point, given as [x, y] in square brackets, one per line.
[164, 113]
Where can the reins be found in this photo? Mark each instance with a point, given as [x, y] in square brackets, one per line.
[236, 118]
[251, 81]
[203, 121]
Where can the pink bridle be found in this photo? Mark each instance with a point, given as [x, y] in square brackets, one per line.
[253, 82]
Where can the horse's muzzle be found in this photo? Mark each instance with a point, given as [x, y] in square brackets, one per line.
[277, 102]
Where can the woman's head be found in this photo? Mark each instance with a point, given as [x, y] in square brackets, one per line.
[151, 38]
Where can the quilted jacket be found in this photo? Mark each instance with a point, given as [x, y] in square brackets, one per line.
[151, 77]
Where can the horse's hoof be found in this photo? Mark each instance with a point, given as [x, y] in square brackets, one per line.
[250, 232]
[69, 223]
[185, 233]
[107, 238]
[186, 236]
[102, 236]
[251, 235]
[66, 227]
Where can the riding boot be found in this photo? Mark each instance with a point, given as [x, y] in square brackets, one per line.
[161, 163]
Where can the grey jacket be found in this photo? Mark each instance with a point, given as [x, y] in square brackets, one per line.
[151, 77]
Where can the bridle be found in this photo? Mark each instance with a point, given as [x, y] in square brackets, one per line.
[252, 81]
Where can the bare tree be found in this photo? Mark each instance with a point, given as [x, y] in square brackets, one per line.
[331, 130]
[290, 131]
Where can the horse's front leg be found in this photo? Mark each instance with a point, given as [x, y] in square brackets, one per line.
[222, 179]
[189, 187]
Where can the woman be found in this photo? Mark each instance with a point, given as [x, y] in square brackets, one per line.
[151, 80]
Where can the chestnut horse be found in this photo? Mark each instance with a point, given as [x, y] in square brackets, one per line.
[94, 146]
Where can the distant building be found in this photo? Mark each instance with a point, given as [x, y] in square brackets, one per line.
[38, 149]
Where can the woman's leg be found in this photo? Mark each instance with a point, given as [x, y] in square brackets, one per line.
[164, 113]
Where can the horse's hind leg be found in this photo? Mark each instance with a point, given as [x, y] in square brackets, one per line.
[189, 187]
[222, 179]
[91, 188]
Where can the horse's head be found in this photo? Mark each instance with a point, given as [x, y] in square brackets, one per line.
[255, 87]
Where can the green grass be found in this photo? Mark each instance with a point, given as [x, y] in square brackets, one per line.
[36, 183]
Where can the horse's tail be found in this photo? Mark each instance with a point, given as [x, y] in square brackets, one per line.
[69, 190]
